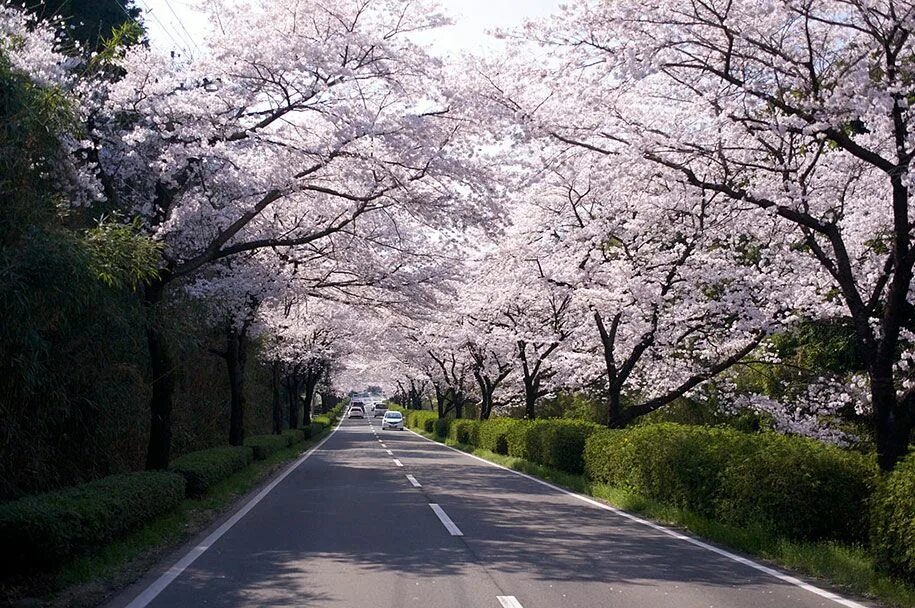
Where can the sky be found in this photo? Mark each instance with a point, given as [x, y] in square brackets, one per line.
[177, 25]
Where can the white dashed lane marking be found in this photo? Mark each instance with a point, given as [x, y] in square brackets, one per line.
[446, 521]
[412, 480]
[509, 601]
[398, 463]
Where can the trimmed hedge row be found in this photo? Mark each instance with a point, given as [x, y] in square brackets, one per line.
[796, 487]
[264, 446]
[204, 468]
[46, 529]
[420, 419]
[893, 536]
[465, 431]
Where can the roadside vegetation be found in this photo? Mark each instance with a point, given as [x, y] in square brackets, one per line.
[810, 507]
[78, 546]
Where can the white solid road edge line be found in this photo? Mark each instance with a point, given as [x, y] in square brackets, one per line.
[159, 585]
[446, 521]
[412, 480]
[398, 463]
[787, 578]
[509, 601]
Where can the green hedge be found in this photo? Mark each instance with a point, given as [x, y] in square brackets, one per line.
[423, 420]
[294, 436]
[440, 426]
[465, 431]
[204, 468]
[493, 434]
[796, 487]
[264, 446]
[516, 438]
[46, 529]
[893, 535]
[557, 443]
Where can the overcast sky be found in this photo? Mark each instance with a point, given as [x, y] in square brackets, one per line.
[175, 24]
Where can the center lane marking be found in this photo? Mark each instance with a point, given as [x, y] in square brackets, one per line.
[412, 480]
[398, 463]
[446, 521]
[509, 601]
[390, 453]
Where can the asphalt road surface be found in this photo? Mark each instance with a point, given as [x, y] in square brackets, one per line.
[381, 519]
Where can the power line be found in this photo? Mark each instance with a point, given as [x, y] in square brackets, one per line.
[182, 45]
[181, 24]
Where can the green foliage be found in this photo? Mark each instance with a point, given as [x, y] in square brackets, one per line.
[893, 527]
[292, 437]
[793, 486]
[440, 427]
[204, 468]
[46, 529]
[420, 419]
[516, 439]
[121, 256]
[558, 443]
[493, 434]
[91, 22]
[465, 431]
[798, 487]
[263, 446]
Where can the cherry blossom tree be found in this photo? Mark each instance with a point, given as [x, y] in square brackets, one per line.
[299, 122]
[795, 112]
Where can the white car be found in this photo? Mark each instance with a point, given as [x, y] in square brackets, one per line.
[392, 420]
[379, 409]
[356, 411]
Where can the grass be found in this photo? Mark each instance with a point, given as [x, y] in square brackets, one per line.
[848, 568]
[87, 580]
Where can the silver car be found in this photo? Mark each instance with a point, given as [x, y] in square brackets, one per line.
[392, 420]
[356, 411]
[379, 409]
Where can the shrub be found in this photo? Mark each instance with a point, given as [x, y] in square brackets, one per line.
[421, 419]
[46, 529]
[440, 427]
[795, 487]
[671, 463]
[516, 438]
[558, 443]
[204, 468]
[493, 434]
[799, 487]
[314, 429]
[465, 431]
[265, 446]
[292, 436]
[893, 529]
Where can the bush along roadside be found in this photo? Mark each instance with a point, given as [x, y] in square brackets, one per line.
[106, 532]
[44, 530]
[811, 506]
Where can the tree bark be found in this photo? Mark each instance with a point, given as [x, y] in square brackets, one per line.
[311, 383]
[162, 365]
[292, 393]
[236, 356]
[277, 407]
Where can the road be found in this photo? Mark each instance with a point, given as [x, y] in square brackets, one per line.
[354, 525]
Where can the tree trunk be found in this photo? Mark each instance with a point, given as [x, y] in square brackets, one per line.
[311, 383]
[277, 406]
[892, 422]
[162, 365]
[236, 355]
[531, 388]
[440, 401]
[292, 393]
[458, 400]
